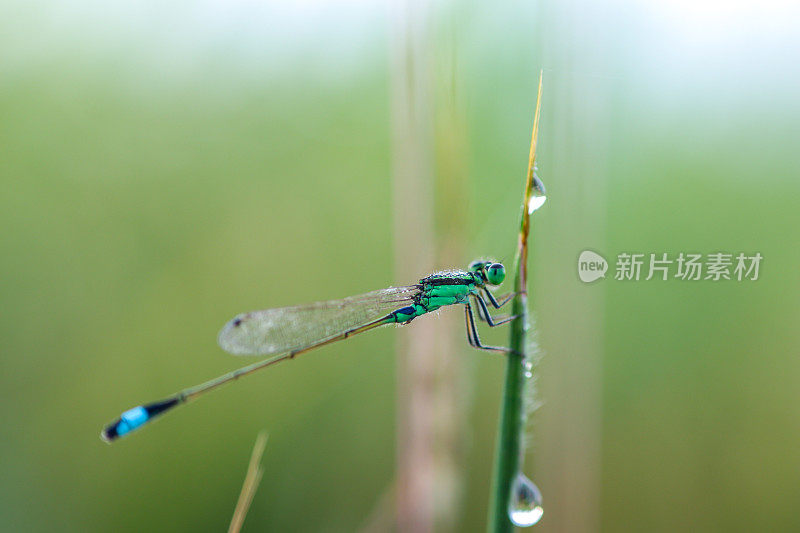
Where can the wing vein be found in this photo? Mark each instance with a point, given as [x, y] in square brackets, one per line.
[282, 329]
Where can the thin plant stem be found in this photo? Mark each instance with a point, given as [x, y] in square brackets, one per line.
[251, 480]
[508, 457]
[414, 251]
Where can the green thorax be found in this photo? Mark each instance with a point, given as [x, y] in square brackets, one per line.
[440, 289]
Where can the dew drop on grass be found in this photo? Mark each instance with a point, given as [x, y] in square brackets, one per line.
[535, 203]
[539, 196]
[528, 367]
[525, 508]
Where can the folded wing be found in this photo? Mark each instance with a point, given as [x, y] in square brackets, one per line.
[279, 330]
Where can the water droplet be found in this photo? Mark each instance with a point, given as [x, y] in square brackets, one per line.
[535, 203]
[539, 196]
[527, 366]
[525, 508]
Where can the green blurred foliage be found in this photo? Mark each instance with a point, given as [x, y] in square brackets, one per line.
[144, 204]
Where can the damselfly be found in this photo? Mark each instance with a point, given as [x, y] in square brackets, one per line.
[286, 332]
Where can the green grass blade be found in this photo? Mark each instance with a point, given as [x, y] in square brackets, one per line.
[508, 455]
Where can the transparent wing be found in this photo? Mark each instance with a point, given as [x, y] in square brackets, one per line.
[282, 329]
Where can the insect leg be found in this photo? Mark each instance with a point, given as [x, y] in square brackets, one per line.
[476, 338]
[483, 310]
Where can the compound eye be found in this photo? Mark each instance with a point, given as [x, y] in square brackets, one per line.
[476, 266]
[495, 274]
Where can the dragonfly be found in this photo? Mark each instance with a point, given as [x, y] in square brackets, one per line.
[286, 332]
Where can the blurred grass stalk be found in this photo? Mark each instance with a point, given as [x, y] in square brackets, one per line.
[428, 162]
[508, 456]
[412, 172]
[250, 485]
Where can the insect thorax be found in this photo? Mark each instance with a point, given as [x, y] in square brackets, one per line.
[446, 288]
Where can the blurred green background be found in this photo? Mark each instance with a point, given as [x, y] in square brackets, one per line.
[165, 167]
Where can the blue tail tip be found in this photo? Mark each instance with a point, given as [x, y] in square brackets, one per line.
[135, 418]
[127, 422]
